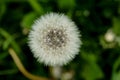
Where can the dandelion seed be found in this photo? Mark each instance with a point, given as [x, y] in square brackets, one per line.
[54, 39]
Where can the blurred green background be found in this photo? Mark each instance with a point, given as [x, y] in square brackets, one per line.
[97, 20]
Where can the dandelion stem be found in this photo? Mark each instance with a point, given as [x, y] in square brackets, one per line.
[22, 68]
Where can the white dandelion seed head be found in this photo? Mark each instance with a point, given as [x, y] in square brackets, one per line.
[54, 39]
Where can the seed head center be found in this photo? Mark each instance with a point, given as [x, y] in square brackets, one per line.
[56, 38]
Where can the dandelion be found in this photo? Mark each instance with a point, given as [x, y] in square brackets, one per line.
[54, 39]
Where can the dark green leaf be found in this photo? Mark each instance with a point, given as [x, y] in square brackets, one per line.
[8, 72]
[116, 25]
[2, 9]
[3, 55]
[66, 4]
[28, 20]
[92, 71]
[36, 6]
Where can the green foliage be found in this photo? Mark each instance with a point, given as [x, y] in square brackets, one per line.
[2, 9]
[99, 58]
[66, 4]
[3, 55]
[8, 72]
[36, 6]
[116, 73]
[116, 25]
[28, 20]
[92, 71]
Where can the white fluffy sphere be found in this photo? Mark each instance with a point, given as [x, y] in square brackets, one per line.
[54, 39]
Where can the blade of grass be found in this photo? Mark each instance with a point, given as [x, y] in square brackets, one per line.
[7, 36]
[36, 6]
